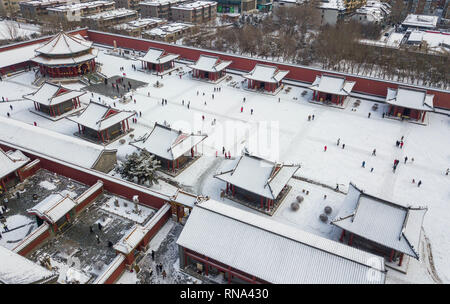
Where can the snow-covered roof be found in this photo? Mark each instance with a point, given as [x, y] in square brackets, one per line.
[332, 85]
[99, 117]
[257, 175]
[266, 73]
[10, 161]
[161, 2]
[168, 143]
[421, 21]
[185, 198]
[209, 64]
[64, 44]
[53, 144]
[167, 29]
[17, 55]
[385, 223]
[410, 98]
[52, 94]
[415, 36]
[332, 4]
[374, 10]
[273, 251]
[158, 56]
[436, 40]
[16, 269]
[194, 5]
[53, 207]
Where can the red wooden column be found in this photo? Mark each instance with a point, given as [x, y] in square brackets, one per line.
[423, 116]
[3, 184]
[392, 255]
[350, 241]
[342, 236]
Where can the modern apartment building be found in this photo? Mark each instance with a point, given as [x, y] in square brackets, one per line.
[195, 12]
[109, 18]
[74, 12]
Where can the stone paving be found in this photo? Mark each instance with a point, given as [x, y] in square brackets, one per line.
[109, 91]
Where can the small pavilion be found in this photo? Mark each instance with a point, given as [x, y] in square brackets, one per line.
[55, 100]
[379, 226]
[102, 123]
[256, 182]
[265, 77]
[57, 210]
[331, 89]
[406, 103]
[10, 163]
[210, 68]
[66, 56]
[158, 60]
[170, 146]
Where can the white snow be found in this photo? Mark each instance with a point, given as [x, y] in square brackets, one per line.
[129, 211]
[47, 185]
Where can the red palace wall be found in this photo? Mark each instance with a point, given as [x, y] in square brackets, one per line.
[26, 172]
[299, 73]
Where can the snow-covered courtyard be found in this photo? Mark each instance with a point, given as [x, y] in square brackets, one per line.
[278, 129]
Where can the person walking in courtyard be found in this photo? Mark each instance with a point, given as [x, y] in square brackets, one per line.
[242, 109]
[153, 255]
[313, 117]
[363, 164]
[368, 116]
[338, 141]
[447, 172]
[309, 117]
[325, 149]
[406, 159]
[164, 274]
[419, 183]
[371, 170]
[401, 144]
[374, 152]
[251, 111]
[343, 146]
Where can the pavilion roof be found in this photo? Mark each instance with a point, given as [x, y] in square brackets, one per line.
[10, 161]
[273, 251]
[209, 64]
[410, 98]
[64, 44]
[99, 117]
[52, 94]
[266, 73]
[158, 56]
[53, 207]
[168, 143]
[385, 223]
[257, 175]
[331, 84]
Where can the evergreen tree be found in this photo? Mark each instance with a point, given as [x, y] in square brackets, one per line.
[140, 167]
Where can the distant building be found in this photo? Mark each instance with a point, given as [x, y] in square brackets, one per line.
[407, 103]
[158, 60]
[256, 182]
[110, 18]
[169, 32]
[195, 12]
[266, 78]
[331, 89]
[379, 226]
[55, 100]
[236, 6]
[372, 12]
[74, 12]
[10, 163]
[136, 27]
[9, 7]
[159, 8]
[421, 22]
[66, 56]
